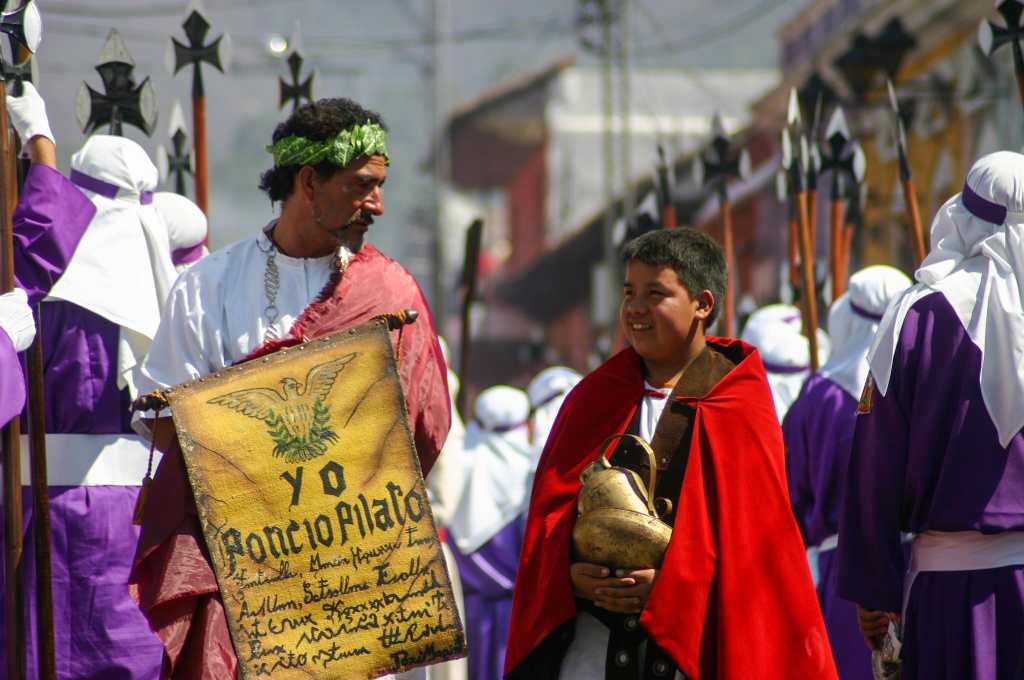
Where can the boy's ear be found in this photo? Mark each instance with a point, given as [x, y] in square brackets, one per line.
[705, 304]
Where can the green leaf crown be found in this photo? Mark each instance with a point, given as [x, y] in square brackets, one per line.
[365, 139]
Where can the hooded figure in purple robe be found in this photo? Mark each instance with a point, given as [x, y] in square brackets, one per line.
[486, 529]
[17, 331]
[96, 253]
[938, 448]
[775, 330]
[818, 430]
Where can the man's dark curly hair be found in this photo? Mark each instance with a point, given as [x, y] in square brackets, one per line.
[316, 121]
[696, 258]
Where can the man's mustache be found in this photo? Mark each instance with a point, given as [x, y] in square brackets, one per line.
[359, 217]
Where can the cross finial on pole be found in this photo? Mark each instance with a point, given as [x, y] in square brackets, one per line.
[194, 54]
[295, 91]
[716, 167]
[121, 102]
[843, 159]
[178, 163]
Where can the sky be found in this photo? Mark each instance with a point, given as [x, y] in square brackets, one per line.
[376, 52]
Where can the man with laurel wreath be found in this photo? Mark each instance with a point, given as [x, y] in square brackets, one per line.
[305, 275]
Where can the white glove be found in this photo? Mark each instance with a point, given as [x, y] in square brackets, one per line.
[28, 114]
[16, 319]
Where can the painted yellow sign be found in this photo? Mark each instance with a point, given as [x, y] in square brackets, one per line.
[313, 507]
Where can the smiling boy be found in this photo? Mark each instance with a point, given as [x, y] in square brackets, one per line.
[733, 596]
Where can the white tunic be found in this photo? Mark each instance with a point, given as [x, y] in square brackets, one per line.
[216, 312]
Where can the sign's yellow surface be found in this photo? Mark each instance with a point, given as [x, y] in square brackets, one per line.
[312, 503]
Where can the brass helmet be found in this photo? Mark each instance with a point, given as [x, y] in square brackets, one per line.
[618, 525]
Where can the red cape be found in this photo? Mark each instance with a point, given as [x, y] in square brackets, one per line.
[172, 580]
[734, 598]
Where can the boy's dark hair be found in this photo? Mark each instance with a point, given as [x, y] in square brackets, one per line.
[695, 257]
[315, 121]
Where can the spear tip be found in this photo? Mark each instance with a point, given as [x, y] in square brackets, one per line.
[837, 126]
[860, 163]
[793, 114]
[177, 119]
[781, 185]
[115, 50]
[787, 149]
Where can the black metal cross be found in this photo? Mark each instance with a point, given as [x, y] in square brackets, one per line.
[122, 101]
[719, 163]
[195, 53]
[179, 162]
[835, 159]
[295, 91]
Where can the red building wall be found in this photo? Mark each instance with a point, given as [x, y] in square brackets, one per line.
[525, 201]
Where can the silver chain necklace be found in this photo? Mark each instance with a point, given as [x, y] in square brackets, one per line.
[272, 281]
[271, 284]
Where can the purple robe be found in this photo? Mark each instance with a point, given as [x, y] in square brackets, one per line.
[12, 385]
[926, 457]
[818, 430]
[99, 631]
[488, 577]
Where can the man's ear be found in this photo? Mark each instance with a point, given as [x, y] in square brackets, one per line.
[305, 179]
[705, 305]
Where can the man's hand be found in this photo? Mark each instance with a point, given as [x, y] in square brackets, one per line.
[874, 625]
[624, 591]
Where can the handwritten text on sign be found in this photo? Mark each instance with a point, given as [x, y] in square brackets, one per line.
[313, 507]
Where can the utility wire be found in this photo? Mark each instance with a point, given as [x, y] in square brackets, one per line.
[548, 25]
[122, 11]
[712, 34]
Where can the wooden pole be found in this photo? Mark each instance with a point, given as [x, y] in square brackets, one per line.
[807, 269]
[41, 508]
[668, 216]
[836, 248]
[201, 177]
[14, 590]
[914, 215]
[470, 275]
[729, 309]
[794, 247]
[812, 217]
[847, 250]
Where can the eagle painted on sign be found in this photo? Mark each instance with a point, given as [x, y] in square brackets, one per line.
[297, 417]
